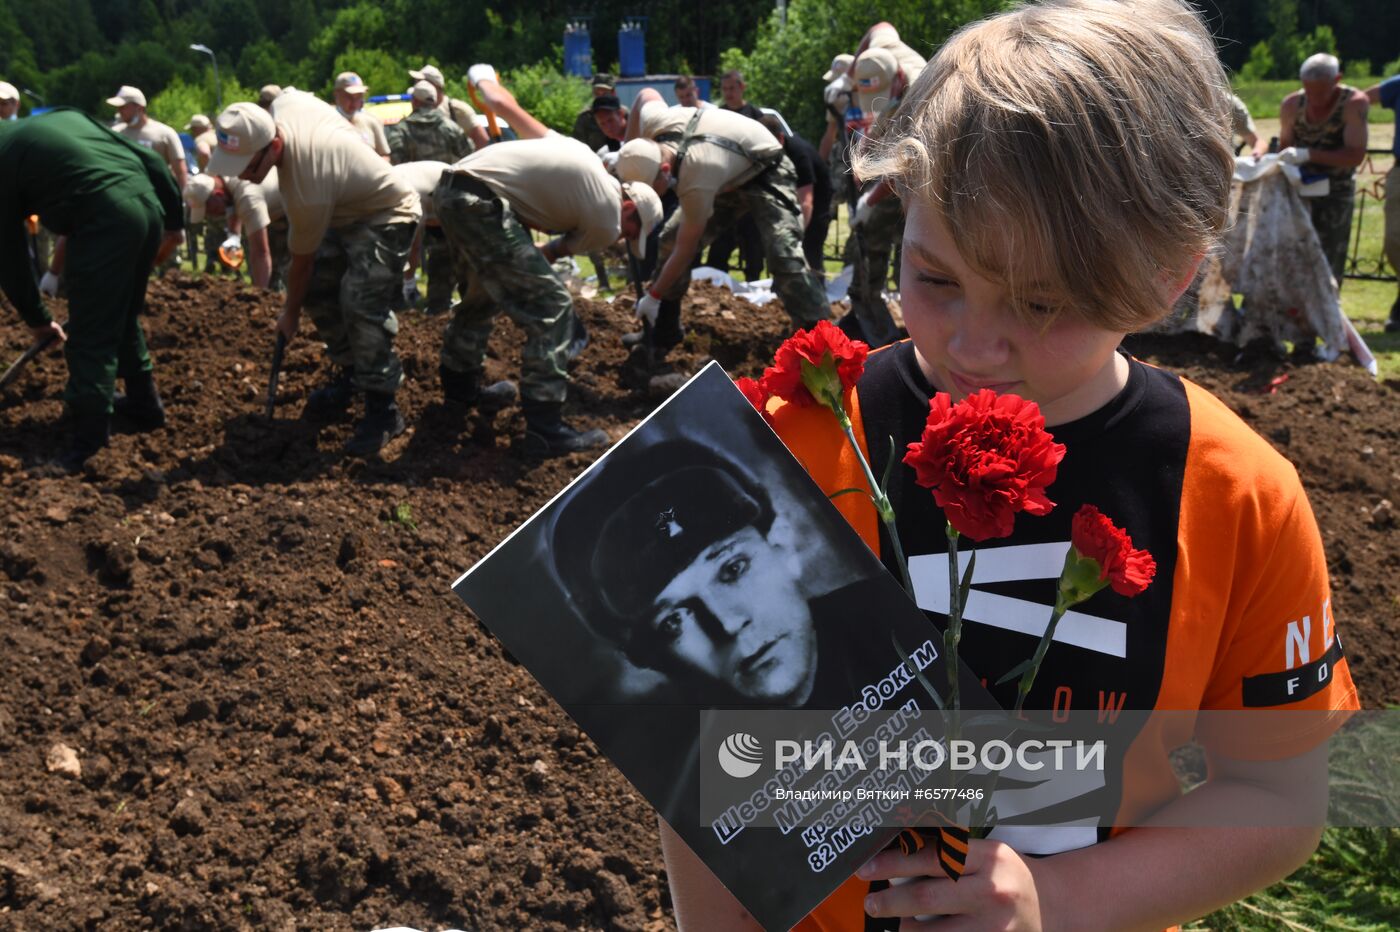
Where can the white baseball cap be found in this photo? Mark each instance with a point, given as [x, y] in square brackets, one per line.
[197, 191]
[127, 94]
[639, 160]
[839, 66]
[199, 123]
[429, 73]
[8, 91]
[425, 91]
[350, 82]
[242, 131]
[648, 211]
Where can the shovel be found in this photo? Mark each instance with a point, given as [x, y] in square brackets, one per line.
[35, 349]
[278, 351]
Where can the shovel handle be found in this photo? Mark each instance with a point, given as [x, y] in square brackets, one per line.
[494, 130]
[279, 350]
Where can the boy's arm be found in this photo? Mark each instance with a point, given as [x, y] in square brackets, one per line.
[1146, 878]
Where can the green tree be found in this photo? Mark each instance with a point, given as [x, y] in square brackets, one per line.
[550, 96]
[784, 69]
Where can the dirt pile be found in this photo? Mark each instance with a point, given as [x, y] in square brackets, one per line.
[281, 717]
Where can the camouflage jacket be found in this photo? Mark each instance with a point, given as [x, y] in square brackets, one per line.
[426, 135]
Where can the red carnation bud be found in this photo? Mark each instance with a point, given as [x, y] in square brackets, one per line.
[818, 365]
[1096, 538]
[986, 458]
[756, 395]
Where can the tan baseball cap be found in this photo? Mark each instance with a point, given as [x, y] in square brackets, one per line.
[425, 91]
[197, 191]
[874, 73]
[648, 211]
[639, 160]
[429, 73]
[127, 94]
[242, 130]
[839, 66]
[350, 82]
[198, 123]
[8, 91]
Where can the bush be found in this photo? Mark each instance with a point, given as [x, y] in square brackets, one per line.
[785, 67]
[1390, 68]
[550, 96]
[1260, 65]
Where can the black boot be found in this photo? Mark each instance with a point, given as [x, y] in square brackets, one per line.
[1393, 325]
[90, 433]
[141, 405]
[382, 422]
[331, 401]
[546, 433]
[458, 388]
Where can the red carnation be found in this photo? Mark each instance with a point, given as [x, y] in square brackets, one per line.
[986, 458]
[1095, 537]
[818, 365]
[757, 397]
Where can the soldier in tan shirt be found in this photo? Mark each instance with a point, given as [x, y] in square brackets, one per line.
[351, 222]
[723, 166]
[458, 111]
[350, 94]
[487, 203]
[134, 124]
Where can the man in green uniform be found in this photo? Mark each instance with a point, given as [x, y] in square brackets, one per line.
[586, 129]
[120, 210]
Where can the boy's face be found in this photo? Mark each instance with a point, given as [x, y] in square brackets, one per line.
[737, 615]
[969, 337]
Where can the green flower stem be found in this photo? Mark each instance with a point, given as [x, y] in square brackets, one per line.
[878, 497]
[1023, 686]
[953, 633]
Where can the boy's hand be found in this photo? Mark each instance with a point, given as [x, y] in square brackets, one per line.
[997, 890]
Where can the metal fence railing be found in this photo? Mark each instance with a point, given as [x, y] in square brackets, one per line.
[1368, 267]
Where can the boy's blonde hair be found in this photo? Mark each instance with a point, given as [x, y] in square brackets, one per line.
[1079, 147]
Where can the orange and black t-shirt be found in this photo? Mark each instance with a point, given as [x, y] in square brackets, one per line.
[1238, 616]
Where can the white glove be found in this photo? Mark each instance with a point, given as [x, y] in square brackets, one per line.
[233, 241]
[411, 294]
[648, 308]
[48, 285]
[864, 208]
[1294, 156]
[609, 161]
[478, 73]
[838, 88]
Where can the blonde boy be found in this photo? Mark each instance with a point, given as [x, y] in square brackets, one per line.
[1063, 167]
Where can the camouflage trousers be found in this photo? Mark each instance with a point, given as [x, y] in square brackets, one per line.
[215, 232]
[357, 271]
[771, 200]
[503, 272]
[437, 263]
[1331, 218]
[876, 242]
[281, 256]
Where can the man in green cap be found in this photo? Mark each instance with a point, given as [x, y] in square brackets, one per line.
[119, 207]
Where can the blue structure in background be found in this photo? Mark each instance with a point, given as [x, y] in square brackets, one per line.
[578, 50]
[632, 47]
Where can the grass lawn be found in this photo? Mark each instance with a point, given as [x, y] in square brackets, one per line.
[1264, 97]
